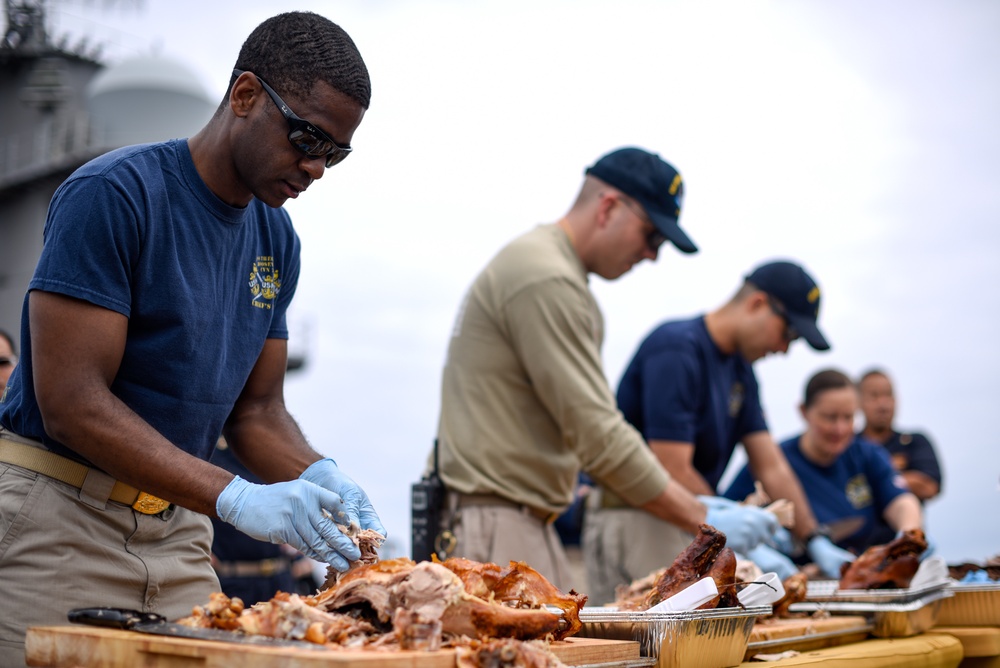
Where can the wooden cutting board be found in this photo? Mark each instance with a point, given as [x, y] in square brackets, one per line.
[805, 634]
[92, 647]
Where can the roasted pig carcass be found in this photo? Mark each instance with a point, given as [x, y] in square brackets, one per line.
[889, 566]
[428, 594]
[707, 555]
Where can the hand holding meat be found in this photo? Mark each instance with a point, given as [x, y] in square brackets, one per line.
[830, 558]
[359, 509]
[745, 527]
[289, 512]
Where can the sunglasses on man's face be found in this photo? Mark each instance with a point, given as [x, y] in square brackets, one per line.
[302, 134]
[790, 333]
[655, 238]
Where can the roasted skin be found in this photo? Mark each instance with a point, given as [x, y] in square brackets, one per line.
[694, 563]
[795, 590]
[723, 571]
[690, 565]
[889, 566]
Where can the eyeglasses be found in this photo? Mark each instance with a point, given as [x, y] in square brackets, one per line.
[10, 360]
[302, 134]
[655, 238]
[790, 333]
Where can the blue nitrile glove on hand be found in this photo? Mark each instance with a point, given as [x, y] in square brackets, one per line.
[770, 560]
[745, 526]
[289, 512]
[357, 507]
[828, 556]
[783, 542]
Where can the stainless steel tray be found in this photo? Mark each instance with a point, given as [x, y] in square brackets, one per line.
[699, 638]
[891, 620]
[827, 591]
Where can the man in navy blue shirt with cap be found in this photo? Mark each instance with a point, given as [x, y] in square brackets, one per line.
[691, 391]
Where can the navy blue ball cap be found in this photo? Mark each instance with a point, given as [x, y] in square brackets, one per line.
[798, 293]
[653, 183]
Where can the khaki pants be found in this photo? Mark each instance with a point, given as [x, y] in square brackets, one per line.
[61, 550]
[500, 535]
[625, 544]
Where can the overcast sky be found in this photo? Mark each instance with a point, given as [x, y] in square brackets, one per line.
[860, 138]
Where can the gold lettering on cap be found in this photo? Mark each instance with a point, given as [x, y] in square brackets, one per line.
[675, 184]
[813, 294]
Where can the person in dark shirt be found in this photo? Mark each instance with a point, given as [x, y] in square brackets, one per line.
[911, 453]
[844, 477]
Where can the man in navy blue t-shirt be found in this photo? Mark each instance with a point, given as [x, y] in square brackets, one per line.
[691, 391]
[911, 453]
[153, 324]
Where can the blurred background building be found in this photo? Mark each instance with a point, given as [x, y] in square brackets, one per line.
[60, 106]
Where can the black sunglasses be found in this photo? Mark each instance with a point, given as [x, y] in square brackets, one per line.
[302, 134]
[790, 333]
[655, 238]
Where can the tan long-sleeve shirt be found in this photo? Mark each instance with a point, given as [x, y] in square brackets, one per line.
[524, 400]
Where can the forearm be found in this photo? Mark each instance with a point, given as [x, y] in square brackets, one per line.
[922, 485]
[904, 513]
[102, 429]
[269, 442]
[676, 457]
[678, 506]
[780, 482]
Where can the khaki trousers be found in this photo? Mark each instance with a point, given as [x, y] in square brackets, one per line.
[625, 544]
[501, 534]
[61, 549]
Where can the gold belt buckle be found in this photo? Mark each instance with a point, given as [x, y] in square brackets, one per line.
[147, 504]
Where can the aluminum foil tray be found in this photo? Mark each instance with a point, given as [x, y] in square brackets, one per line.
[891, 620]
[974, 604]
[827, 591]
[697, 639]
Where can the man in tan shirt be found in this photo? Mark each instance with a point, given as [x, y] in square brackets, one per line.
[525, 405]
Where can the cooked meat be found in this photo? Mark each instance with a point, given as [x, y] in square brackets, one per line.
[723, 571]
[505, 653]
[367, 540]
[691, 565]
[425, 606]
[889, 566]
[795, 590]
[479, 578]
[284, 616]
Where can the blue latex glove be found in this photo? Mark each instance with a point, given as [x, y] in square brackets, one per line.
[783, 542]
[358, 508]
[289, 512]
[828, 556]
[745, 526]
[770, 560]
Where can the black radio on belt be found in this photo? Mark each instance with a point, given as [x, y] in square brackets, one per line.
[426, 503]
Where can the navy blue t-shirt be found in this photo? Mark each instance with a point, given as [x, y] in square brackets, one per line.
[861, 483]
[203, 284]
[680, 387]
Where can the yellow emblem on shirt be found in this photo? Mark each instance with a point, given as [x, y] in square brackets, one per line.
[858, 491]
[265, 283]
